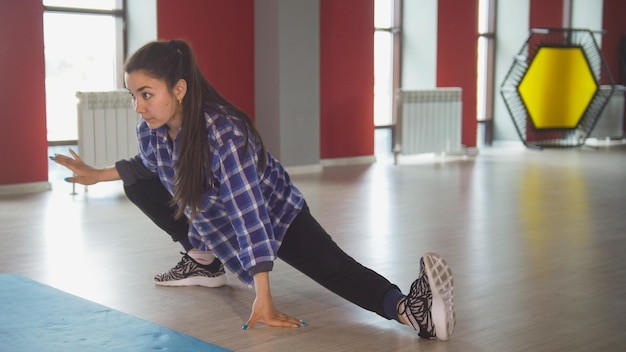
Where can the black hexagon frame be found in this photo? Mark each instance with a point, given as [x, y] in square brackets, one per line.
[532, 136]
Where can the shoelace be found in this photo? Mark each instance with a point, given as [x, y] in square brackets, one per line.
[215, 267]
[419, 302]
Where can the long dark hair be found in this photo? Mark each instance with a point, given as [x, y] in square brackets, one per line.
[171, 61]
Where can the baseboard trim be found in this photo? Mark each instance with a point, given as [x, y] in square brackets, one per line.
[304, 169]
[315, 168]
[357, 160]
[25, 188]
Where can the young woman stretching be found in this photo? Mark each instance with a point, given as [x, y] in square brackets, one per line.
[242, 205]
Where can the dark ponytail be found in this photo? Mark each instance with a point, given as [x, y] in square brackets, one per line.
[171, 61]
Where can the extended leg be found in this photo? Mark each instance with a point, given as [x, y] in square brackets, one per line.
[308, 248]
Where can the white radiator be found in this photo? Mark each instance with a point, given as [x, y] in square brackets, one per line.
[106, 127]
[429, 121]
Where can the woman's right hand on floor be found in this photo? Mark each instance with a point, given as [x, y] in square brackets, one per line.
[263, 310]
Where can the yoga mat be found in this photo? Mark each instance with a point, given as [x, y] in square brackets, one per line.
[36, 317]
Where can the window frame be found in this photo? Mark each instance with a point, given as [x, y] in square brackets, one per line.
[396, 31]
[120, 15]
[485, 69]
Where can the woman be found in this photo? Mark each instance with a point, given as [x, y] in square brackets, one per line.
[242, 205]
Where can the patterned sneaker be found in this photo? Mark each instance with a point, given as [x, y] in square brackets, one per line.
[188, 272]
[429, 306]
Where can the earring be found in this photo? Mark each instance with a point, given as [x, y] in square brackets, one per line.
[180, 102]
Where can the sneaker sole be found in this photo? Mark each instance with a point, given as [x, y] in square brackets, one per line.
[205, 281]
[441, 284]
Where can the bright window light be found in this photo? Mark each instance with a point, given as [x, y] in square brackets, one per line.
[81, 54]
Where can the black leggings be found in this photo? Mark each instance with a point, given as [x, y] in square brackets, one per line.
[306, 246]
[154, 200]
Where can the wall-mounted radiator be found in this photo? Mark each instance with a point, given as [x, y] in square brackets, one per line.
[106, 127]
[429, 121]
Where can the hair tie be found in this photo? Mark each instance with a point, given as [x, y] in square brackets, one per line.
[174, 45]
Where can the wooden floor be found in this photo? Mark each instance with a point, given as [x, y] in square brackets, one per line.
[536, 240]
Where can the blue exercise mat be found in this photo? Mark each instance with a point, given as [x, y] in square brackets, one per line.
[36, 317]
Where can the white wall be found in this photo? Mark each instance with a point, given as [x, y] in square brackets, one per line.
[511, 34]
[287, 80]
[587, 14]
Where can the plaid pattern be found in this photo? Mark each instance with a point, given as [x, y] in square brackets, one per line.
[246, 213]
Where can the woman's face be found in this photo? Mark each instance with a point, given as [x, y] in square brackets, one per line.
[152, 99]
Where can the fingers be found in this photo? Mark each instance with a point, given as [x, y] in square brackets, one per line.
[75, 155]
[82, 173]
[65, 160]
[61, 159]
[283, 321]
[73, 179]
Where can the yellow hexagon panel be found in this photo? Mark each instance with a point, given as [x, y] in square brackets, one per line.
[557, 87]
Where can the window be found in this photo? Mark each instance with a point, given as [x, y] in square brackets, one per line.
[83, 52]
[485, 69]
[386, 59]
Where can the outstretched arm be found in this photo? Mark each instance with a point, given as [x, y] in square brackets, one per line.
[263, 309]
[83, 173]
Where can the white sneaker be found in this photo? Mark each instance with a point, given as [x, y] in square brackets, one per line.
[188, 272]
[429, 306]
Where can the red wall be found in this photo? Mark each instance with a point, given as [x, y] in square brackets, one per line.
[457, 36]
[346, 78]
[546, 14]
[23, 146]
[222, 35]
[613, 21]
[615, 26]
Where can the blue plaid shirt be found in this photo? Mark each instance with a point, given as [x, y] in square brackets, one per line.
[246, 213]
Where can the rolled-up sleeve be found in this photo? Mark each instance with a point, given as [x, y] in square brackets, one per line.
[133, 169]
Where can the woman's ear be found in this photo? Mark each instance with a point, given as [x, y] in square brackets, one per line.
[180, 89]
